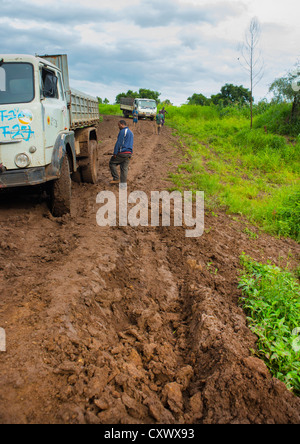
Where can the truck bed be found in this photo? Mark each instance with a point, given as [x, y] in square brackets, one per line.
[126, 102]
[84, 110]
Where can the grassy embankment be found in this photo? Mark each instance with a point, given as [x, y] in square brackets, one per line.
[251, 172]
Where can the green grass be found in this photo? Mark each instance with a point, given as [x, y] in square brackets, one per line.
[251, 172]
[271, 299]
[112, 110]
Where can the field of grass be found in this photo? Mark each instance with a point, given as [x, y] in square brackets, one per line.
[112, 110]
[251, 172]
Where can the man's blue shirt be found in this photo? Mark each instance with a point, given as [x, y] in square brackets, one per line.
[124, 142]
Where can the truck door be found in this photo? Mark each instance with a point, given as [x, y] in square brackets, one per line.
[54, 109]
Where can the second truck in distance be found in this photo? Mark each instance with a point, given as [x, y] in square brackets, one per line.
[145, 107]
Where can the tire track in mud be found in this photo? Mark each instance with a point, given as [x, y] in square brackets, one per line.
[131, 325]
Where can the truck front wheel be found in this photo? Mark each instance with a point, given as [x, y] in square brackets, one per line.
[60, 193]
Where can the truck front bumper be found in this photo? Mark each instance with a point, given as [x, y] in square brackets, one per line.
[22, 178]
[147, 115]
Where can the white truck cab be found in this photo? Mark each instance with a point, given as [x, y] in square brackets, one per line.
[146, 107]
[45, 127]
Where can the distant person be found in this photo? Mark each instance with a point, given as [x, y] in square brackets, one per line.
[122, 153]
[159, 119]
[135, 114]
[163, 112]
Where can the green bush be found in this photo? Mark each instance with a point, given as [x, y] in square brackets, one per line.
[277, 119]
[287, 215]
[271, 299]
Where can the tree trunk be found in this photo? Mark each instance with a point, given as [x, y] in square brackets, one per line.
[295, 107]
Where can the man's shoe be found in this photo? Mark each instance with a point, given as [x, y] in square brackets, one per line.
[114, 182]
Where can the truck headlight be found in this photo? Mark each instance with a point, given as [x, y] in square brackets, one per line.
[22, 160]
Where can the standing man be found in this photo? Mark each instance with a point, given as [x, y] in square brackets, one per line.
[159, 120]
[163, 112]
[135, 115]
[122, 153]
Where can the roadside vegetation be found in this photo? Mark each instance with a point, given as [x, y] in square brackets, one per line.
[271, 299]
[110, 110]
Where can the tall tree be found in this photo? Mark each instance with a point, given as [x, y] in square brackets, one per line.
[198, 99]
[148, 94]
[231, 94]
[252, 58]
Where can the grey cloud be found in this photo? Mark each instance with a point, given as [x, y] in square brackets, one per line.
[150, 13]
[123, 61]
[193, 40]
[60, 14]
[32, 41]
[156, 13]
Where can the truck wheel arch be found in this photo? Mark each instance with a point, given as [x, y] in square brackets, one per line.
[64, 145]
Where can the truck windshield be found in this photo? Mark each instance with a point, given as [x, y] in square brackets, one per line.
[16, 83]
[147, 104]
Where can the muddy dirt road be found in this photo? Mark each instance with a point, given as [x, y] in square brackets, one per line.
[122, 325]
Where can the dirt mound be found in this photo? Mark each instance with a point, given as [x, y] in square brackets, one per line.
[123, 325]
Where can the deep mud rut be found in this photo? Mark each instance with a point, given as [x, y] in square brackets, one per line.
[122, 325]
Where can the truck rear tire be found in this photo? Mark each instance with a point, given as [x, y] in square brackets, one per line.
[89, 169]
[60, 196]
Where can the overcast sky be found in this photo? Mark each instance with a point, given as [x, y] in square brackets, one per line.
[176, 47]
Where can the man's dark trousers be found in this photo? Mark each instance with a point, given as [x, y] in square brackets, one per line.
[122, 160]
